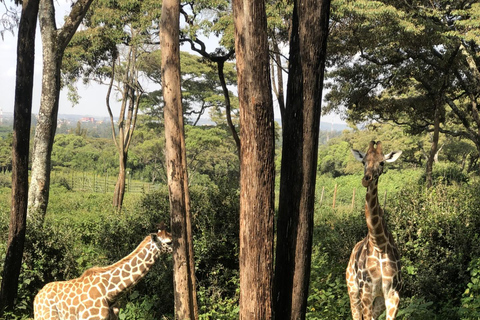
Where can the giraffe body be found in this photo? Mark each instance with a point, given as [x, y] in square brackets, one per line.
[92, 295]
[373, 272]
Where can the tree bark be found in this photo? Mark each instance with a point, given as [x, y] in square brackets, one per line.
[119, 192]
[20, 150]
[257, 174]
[299, 157]
[54, 43]
[184, 272]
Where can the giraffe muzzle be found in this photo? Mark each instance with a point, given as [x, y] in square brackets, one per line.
[366, 180]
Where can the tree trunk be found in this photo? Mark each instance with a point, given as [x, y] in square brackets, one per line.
[21, 144]
[47, 117]
[228, 106]
[257, 174]
[54, 43]
[434, 147]
[299, 157]
[119, 193]
[278, 89]
[184, 273]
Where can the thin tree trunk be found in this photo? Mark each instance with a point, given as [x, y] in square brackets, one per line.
[299, 157]
[119, 192]
[184, 276]
[277, 64]
[21, 144]
[54, 43]
[257, 174]
[434, 147]
[228, 109]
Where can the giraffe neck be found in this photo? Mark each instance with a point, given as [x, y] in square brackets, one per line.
[377, 231]
[131, 269]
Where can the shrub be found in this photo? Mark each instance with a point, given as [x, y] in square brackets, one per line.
[447, 173]
[437, 233]
[470, 308]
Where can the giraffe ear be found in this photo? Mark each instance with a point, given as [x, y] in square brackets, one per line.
[154, 237]
[392, 156]
[358, 155]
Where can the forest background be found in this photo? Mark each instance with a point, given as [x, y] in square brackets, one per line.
[413, 84]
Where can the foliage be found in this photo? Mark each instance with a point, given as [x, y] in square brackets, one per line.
[80, 153]
[334, 158]
[448, 173]
[394, 61]
[471, 296]
[435, 230]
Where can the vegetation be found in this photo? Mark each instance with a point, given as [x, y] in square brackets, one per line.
[435, 229]
[406, 72]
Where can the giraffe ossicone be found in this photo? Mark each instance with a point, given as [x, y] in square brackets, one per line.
[93, 294]
[373, 272]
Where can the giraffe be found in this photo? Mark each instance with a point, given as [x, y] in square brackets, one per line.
[92, 295]
[373, 272]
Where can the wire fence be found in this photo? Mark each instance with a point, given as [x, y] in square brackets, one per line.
[337, 196]
[92, 182]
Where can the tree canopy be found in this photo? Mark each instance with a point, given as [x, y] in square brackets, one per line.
[402, 61]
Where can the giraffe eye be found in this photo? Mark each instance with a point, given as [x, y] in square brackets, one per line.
[382, 163]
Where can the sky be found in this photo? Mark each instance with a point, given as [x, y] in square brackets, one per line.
[92, 101]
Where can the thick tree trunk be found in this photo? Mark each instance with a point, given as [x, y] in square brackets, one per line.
[47, 117]
[299, 157]
[184, 276]
[21, 143]
[54, 43]
[257, 174]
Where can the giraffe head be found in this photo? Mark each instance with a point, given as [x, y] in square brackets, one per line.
[374, 161]
[162, 239]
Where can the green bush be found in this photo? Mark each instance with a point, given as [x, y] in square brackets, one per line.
[447, 173]
[470, 308]
[437, 234]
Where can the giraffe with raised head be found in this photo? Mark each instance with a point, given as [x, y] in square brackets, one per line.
[92, 295]
[373, 272]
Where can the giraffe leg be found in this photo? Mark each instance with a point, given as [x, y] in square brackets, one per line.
[378, 307]
[353, 293]
[113, 312]
[355, 305]
[391, 303]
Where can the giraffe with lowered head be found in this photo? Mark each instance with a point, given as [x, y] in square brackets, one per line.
[373, 272]
[92, 295]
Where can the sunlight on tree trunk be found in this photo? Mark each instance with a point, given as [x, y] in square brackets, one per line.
[54, 42]
[257, 172]
[184, 268]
